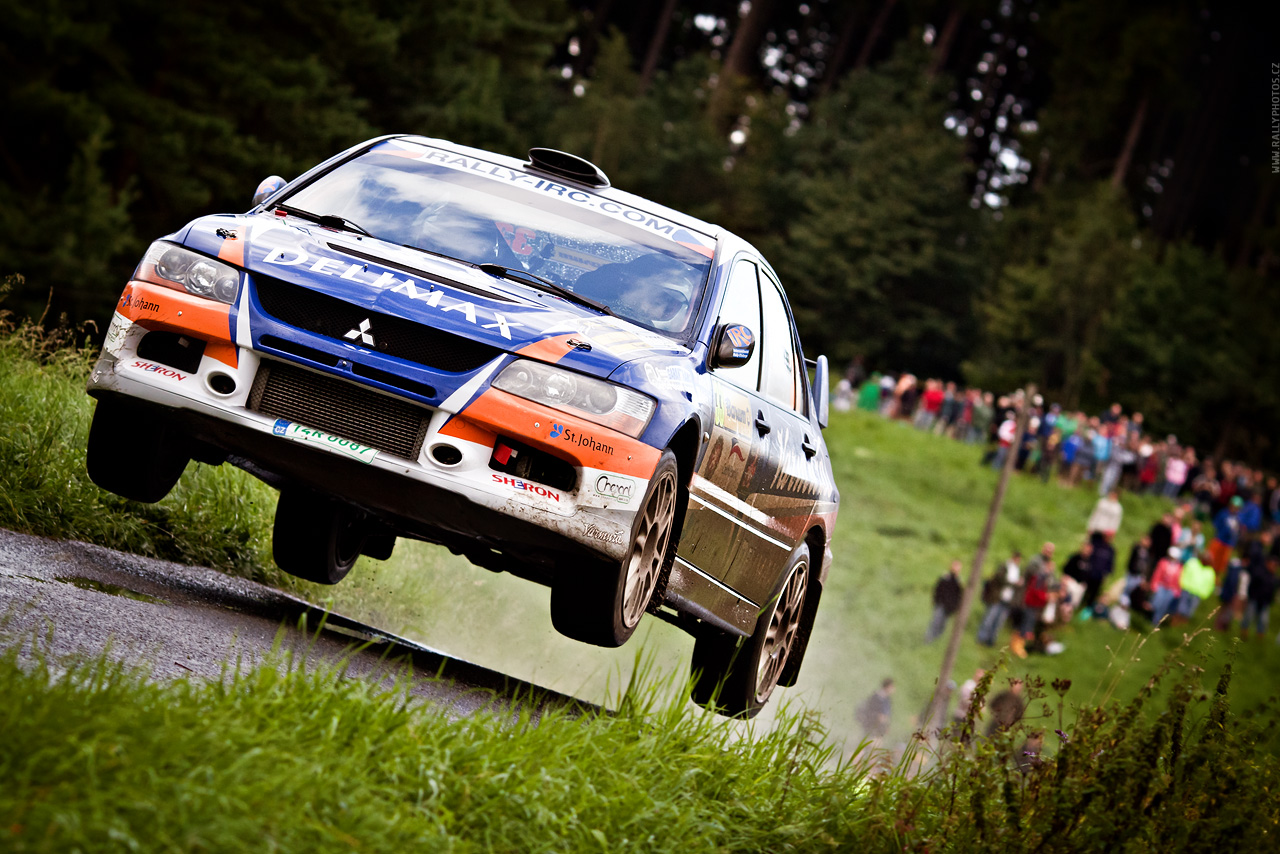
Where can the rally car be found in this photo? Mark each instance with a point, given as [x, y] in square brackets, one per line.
[507, 357]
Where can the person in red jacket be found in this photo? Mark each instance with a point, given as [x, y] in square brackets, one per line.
[1166, 585]
[1040, 581]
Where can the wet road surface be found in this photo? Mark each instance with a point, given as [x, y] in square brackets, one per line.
[72, 598]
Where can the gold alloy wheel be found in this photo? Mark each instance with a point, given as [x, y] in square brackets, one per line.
[784, 622]
[649, 548]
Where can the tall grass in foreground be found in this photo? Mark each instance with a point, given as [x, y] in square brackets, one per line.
[216, 516]
[291, 757]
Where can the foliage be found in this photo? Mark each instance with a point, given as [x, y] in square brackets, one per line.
[910, 504]
[875, 241]
[144, 114]
[1049, 317]
[126, 120]
[291, 754]
[215, 517]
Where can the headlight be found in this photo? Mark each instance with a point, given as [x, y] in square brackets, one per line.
[595, 400]
[173, 266]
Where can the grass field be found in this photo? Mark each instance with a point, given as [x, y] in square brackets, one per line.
[910, 504]
[98, 756]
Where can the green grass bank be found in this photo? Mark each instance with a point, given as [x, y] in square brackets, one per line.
[97, 756]
[910, 504]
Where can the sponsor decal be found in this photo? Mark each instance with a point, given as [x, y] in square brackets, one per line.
[311, 436]
[360, 274]
[608, 207]
[620, 489]
[675, 377]
[613, 537]
[152, 368]
[733, 410]
[582, 440]
[742, 338]
[526, 486]
[139, 303]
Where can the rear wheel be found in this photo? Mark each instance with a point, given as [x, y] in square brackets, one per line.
[133, 453]
[602, 604]
[316, 538]
[735, 676]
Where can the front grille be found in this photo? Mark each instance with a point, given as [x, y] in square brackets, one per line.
[341, 408]
[334, 318]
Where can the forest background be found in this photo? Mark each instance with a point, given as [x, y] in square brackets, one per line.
[1080, 194]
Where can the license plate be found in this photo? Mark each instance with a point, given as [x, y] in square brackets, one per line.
[312, 436]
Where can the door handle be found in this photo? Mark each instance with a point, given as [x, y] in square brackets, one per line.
[809, 448]
[762, 426]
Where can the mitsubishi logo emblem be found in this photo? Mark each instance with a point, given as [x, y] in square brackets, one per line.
[361, 332]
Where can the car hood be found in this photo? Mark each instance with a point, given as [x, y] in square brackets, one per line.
[423, 288]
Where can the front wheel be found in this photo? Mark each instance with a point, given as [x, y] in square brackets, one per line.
[132, 452]
[602, 604]
[316, 538]
[735, 676]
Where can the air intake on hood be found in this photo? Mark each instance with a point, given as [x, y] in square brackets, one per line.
[568, 166]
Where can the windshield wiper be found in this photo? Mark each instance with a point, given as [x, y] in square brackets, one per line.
[439, 255]
[326, 220]
[515, 274]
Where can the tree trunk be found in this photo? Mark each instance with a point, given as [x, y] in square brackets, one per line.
[836, 65]
[659, 39]
[740, 57]
[590, 42]
[942, 47]
[1130, 143]
[1249, 238]
[873, 35]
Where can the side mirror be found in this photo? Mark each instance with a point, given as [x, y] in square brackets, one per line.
[267, 189]
[734, 345]
[822, 391]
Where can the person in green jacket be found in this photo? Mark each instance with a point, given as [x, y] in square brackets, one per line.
[1198, 581]
[869, 394]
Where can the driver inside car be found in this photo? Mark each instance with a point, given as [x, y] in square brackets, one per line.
[651, 289]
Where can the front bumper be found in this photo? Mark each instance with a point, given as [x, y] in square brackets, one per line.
[459, 496]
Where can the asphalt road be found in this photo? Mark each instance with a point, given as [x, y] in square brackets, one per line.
[71, 598]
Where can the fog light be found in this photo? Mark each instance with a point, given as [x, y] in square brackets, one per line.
[446, 455]
[222, 384]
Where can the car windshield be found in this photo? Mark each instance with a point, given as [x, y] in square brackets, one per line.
[639, 265]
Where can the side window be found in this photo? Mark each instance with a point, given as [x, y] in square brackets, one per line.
[742, 305]
[781, 380]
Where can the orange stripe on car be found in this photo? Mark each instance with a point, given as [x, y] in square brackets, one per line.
[496, 411]
[157, 307]
[548, 349]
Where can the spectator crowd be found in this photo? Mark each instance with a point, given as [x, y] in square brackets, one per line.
[1216, 547]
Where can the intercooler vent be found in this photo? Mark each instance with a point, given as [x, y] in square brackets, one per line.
[341, 408]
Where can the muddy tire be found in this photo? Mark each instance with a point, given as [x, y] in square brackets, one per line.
[603, 602]
[735, 676]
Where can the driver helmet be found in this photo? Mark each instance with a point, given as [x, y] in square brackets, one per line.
[658, 290]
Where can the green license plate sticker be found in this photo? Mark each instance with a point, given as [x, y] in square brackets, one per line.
[311, 436]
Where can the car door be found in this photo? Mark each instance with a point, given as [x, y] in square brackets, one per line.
[726, 535]
[713, 522]
[781, 483]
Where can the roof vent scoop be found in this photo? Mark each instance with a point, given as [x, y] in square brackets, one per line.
[568, 166]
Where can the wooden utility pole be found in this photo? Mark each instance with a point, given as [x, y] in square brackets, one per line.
[940, 695]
